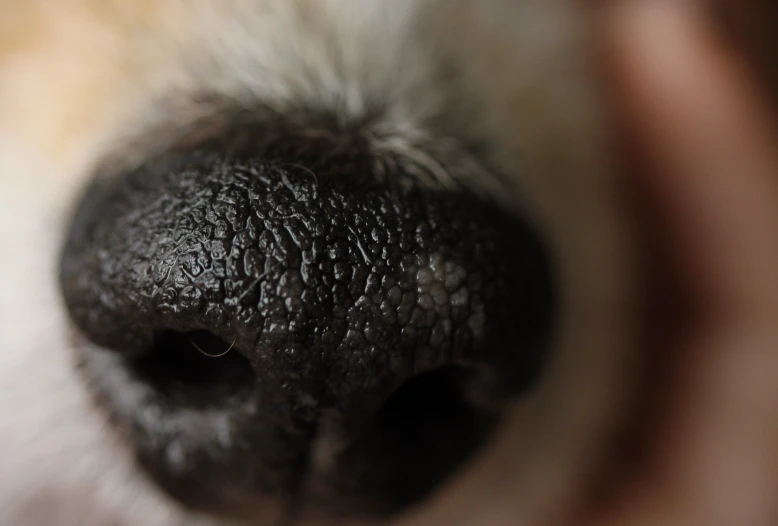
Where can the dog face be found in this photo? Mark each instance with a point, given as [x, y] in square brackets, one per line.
[308, 261]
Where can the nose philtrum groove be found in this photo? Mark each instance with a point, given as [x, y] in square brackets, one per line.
[215, 279]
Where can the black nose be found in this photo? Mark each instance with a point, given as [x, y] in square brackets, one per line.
[263, 330]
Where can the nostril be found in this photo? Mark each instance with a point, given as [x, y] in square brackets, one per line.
[427, 428]
[396, 456]
[197, 370]
[429, 415]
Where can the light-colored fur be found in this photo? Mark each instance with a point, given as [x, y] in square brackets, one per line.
[82, 80]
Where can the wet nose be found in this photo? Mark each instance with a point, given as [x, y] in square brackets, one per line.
[259, 329]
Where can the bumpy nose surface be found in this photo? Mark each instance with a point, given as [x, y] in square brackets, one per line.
[259, 330]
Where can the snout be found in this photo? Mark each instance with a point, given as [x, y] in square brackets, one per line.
[266, 330]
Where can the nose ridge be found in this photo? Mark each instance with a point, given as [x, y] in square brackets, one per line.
[334, 292]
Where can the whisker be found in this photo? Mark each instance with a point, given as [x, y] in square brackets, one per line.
[211, 355]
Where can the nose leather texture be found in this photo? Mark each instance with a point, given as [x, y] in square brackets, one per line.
[334, 291]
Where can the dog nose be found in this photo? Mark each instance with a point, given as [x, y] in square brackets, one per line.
[266, 329]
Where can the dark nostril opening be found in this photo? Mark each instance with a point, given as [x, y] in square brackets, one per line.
[429, 428]
[427, 412]
[421, 434]
[196, 369]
